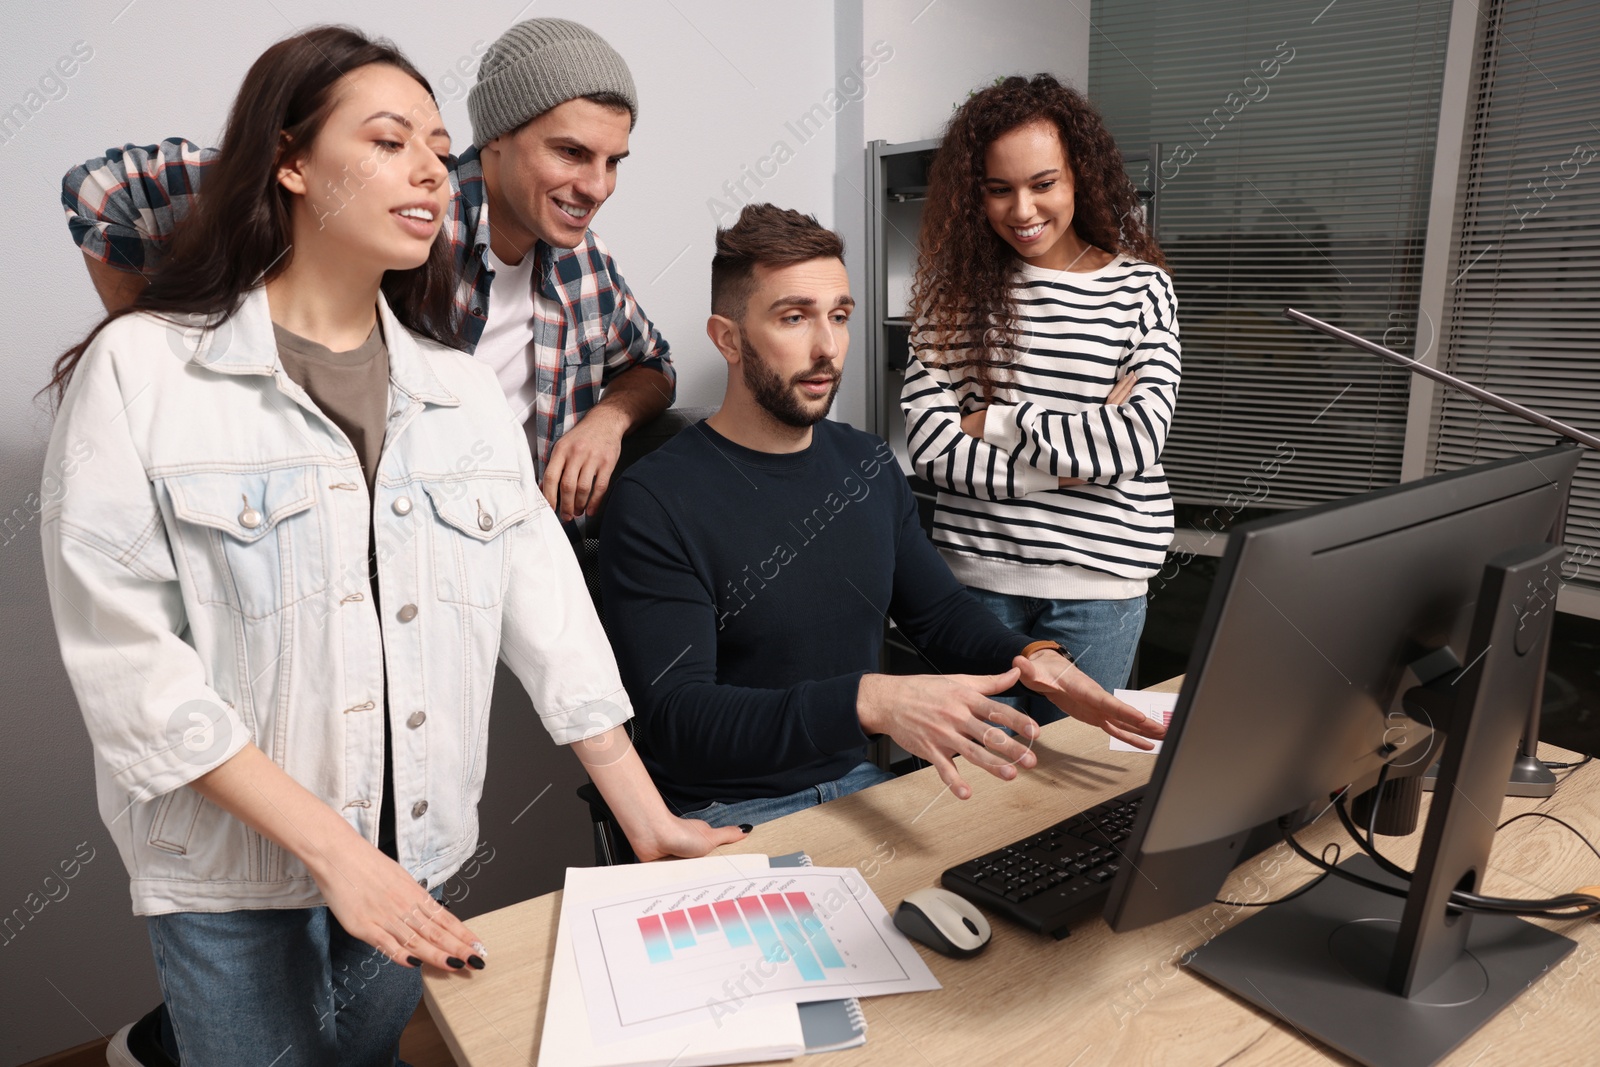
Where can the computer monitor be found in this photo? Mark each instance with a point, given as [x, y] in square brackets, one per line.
[1339, 639]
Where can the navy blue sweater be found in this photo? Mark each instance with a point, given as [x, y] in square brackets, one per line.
[746, 594]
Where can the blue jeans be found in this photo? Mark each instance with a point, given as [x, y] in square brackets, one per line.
[1101, 635]
[285, 988]
[765, 809]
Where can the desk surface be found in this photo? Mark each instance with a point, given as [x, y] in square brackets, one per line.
[1096, 998]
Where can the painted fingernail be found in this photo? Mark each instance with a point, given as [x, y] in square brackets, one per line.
[413, 961]
[477, 946]
[746, 827]
[475, 962]
[455, 963]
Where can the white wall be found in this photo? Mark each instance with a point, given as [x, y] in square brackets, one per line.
[947, 48]
[721, 84]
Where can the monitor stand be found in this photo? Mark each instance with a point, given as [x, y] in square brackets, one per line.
[1530, 776]
[1399, 982]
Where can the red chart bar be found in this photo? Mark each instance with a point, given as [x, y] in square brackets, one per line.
[678, 928]
[655, 939]
[700, 916]
[733, 924]
[814, 930]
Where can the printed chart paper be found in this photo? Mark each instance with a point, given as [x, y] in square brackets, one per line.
[767, 1032]
[1154, 705]
[650, 960]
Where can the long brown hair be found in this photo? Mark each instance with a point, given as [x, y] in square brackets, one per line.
[237, 234]
[961, 298]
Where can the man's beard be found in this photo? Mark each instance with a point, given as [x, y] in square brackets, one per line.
[777, 397]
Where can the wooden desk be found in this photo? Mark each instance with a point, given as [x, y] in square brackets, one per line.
[1096, 998]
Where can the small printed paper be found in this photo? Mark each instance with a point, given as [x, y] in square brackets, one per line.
[706, 949]
[1154, 705]
[759, 1032]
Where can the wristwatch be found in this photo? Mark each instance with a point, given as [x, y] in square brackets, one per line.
[1040, 646]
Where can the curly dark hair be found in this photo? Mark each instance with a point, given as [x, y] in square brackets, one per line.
[961, 298]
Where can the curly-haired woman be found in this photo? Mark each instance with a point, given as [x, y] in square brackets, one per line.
[1044, 373]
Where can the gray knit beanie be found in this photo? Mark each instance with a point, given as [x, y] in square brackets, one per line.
[538, 64]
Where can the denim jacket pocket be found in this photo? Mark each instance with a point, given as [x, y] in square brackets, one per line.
[174, 820]
[252, 540]
[470, 557]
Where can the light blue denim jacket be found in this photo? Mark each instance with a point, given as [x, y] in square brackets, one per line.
[206, 550]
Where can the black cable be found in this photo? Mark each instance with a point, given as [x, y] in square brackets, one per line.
[1568, 766]
[1372, 816]
[1558, 907]
[1587, 906]
[1308, 887]
[1542, 815]
[1318, 880]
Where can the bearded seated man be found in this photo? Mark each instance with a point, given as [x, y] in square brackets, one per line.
[748, 567]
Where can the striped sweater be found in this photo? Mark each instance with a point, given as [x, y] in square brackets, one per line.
[1002, 522]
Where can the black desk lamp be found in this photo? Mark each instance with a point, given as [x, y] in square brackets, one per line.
[1529, 776]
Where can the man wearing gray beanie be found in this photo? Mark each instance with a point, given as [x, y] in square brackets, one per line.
[545, 306]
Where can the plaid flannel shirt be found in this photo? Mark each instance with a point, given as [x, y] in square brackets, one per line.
[123, 207]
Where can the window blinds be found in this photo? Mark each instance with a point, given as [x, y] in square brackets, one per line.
[1297, 156]
[1523, 307]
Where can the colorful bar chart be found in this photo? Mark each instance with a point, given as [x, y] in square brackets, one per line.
[784, 926]
[675, 951]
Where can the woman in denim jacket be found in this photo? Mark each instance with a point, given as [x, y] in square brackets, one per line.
[280, 593]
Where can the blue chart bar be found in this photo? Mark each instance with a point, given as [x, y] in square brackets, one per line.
[732, 925]
[814, 931]
[793, 938]
[655, 939]
[766, 937]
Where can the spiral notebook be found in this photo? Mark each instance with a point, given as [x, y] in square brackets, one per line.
[827, 1025]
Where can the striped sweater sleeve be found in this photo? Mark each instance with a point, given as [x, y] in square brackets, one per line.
[1103, 443]
[951, 459]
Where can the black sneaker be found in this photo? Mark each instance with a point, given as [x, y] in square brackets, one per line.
[139, 1044]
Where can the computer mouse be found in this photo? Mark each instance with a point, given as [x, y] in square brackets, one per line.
[945, 922]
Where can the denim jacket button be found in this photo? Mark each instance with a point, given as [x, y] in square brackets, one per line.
[407, 613]
[419, 809]
[249, 518]
[417, 719]
[402, 505]
[423, 882]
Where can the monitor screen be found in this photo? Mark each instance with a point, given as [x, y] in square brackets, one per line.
[1310, 638]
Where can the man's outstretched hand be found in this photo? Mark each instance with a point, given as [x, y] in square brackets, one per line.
[939, 717]
[1052, 675]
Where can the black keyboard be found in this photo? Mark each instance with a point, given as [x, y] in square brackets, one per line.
[1056, 877]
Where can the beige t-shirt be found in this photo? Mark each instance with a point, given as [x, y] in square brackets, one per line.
[351, 388]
